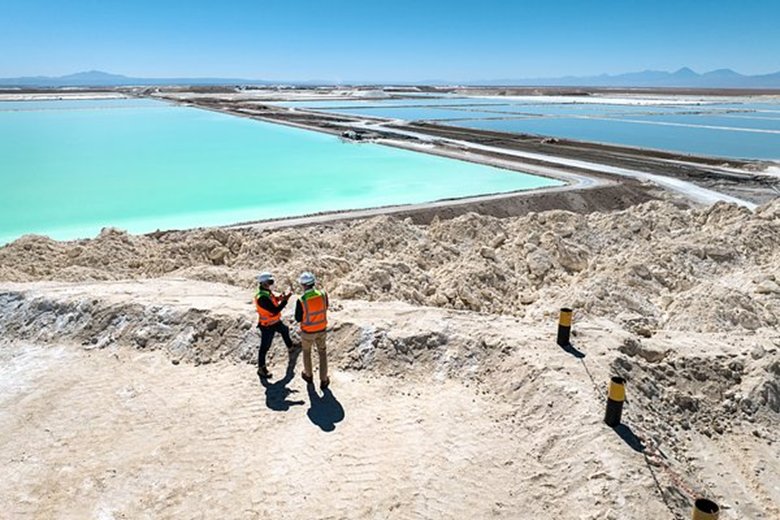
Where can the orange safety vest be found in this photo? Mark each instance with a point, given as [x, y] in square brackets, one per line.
[266, 318]
[315, 311]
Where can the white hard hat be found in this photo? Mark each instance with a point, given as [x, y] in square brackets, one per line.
[265, 277]
[306, 278]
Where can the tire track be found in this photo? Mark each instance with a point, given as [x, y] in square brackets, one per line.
[133, 435]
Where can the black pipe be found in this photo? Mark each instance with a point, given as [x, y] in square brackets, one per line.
[704, 509]
[564, 327]
[615, 398]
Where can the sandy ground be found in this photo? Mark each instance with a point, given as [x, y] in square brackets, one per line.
[433, 413]
[133, 436]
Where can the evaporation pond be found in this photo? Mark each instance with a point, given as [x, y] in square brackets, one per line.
[740, 128]
[71, 168]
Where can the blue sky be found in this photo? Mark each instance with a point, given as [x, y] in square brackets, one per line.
[386, 40]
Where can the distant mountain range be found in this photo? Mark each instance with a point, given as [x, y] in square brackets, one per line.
[683, 78]
[96, 78]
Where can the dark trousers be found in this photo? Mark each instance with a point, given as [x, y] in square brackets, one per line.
[267, 336]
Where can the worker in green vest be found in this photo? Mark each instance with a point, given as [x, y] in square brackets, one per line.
[311, 311]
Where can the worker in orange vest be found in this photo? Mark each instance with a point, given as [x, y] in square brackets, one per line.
[311, 311]
[269, 307]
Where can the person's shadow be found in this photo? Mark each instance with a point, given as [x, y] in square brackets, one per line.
[276, 393]
[325, 411]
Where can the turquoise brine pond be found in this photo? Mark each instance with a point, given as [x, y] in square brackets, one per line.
[70, 168]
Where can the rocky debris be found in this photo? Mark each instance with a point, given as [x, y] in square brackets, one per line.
[351, 290]
[633, 347]
[539, 262]
[768, 287]
[656, 265]
[671, 392]
[489, 253]
[192, 335]
[681, 405]
[218, 254]
[709, 307]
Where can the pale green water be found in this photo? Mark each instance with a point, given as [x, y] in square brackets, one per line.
[69, 169]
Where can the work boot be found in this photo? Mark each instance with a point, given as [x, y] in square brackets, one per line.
[309, 380]
[325, 384]
[263, 373]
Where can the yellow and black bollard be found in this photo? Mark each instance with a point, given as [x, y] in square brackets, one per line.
[704, 509]
[617, 394]
[564, 327]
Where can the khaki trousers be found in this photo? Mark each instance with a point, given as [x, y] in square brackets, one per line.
[308, 339]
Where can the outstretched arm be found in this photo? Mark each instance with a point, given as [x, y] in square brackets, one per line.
[266, 303]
